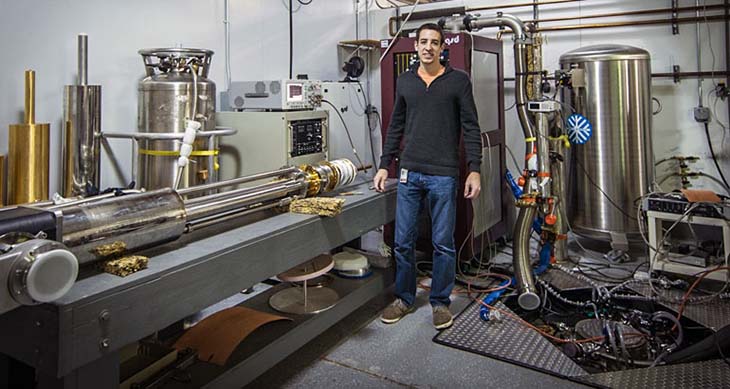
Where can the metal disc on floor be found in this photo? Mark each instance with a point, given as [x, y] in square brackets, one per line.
[291, 300]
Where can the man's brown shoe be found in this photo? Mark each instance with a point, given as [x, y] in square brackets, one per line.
[395, 311]
[442, 317]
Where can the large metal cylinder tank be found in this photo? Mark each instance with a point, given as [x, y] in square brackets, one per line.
[612, 89]
[167, 97]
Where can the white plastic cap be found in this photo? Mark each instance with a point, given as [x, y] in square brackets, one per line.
[347, 261]
[51, 275]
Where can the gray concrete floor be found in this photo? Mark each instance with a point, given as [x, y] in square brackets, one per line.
[362, 352]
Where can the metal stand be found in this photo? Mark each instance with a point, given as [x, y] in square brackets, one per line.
[74, 342]
[305, 300]
[662, 260]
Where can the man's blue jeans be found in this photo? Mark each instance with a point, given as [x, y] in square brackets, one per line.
[440, 195]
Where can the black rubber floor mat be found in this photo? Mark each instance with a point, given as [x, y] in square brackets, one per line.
[506, 340]
[705, 375]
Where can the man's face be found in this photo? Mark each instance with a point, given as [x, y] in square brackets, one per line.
[429, 46]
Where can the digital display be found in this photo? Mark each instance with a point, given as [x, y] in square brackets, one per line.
[295, 92]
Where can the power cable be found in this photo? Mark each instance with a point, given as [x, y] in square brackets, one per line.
[347, 131]
[291, 40]
[397, 34]
[712, 153]
[368, 110]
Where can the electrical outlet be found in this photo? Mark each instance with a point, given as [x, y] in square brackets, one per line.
[702, 114]
[721, 91]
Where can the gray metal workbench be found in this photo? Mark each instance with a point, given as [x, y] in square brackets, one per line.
[74, 342]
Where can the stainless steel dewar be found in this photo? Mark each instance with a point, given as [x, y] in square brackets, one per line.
[616, 166]
[175, 89]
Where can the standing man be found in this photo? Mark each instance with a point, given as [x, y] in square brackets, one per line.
[433, 104]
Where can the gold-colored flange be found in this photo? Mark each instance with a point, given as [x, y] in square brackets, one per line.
[314, 184]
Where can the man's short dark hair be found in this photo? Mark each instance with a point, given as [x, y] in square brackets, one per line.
[430, 26]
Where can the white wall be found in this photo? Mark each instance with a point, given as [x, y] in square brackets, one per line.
[41, 35]
[675, 132]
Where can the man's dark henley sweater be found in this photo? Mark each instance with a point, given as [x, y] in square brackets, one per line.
[431, 119]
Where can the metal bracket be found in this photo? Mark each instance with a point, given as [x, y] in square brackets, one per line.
[675, 71]
[499, 15]
[619, 241]
[675, 17]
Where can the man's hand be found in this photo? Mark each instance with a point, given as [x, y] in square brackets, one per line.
[472, 186]
[379, 180]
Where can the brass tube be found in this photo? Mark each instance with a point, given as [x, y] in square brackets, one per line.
[28, 149]
[2, 180]
[30, 96]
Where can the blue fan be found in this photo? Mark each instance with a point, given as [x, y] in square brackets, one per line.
[580, 129]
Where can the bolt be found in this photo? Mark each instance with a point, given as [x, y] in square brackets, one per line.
[104, 343]
[104, 315]
[38, 324]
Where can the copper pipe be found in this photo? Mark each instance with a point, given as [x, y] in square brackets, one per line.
[517, 5]
[630, 24]
[706, 74]
[451, 11]
[628, 13]
[715, 74]
[437, 13]
[434, 14]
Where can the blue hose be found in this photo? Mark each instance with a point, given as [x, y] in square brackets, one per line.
[491, 298]
[516, 190]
